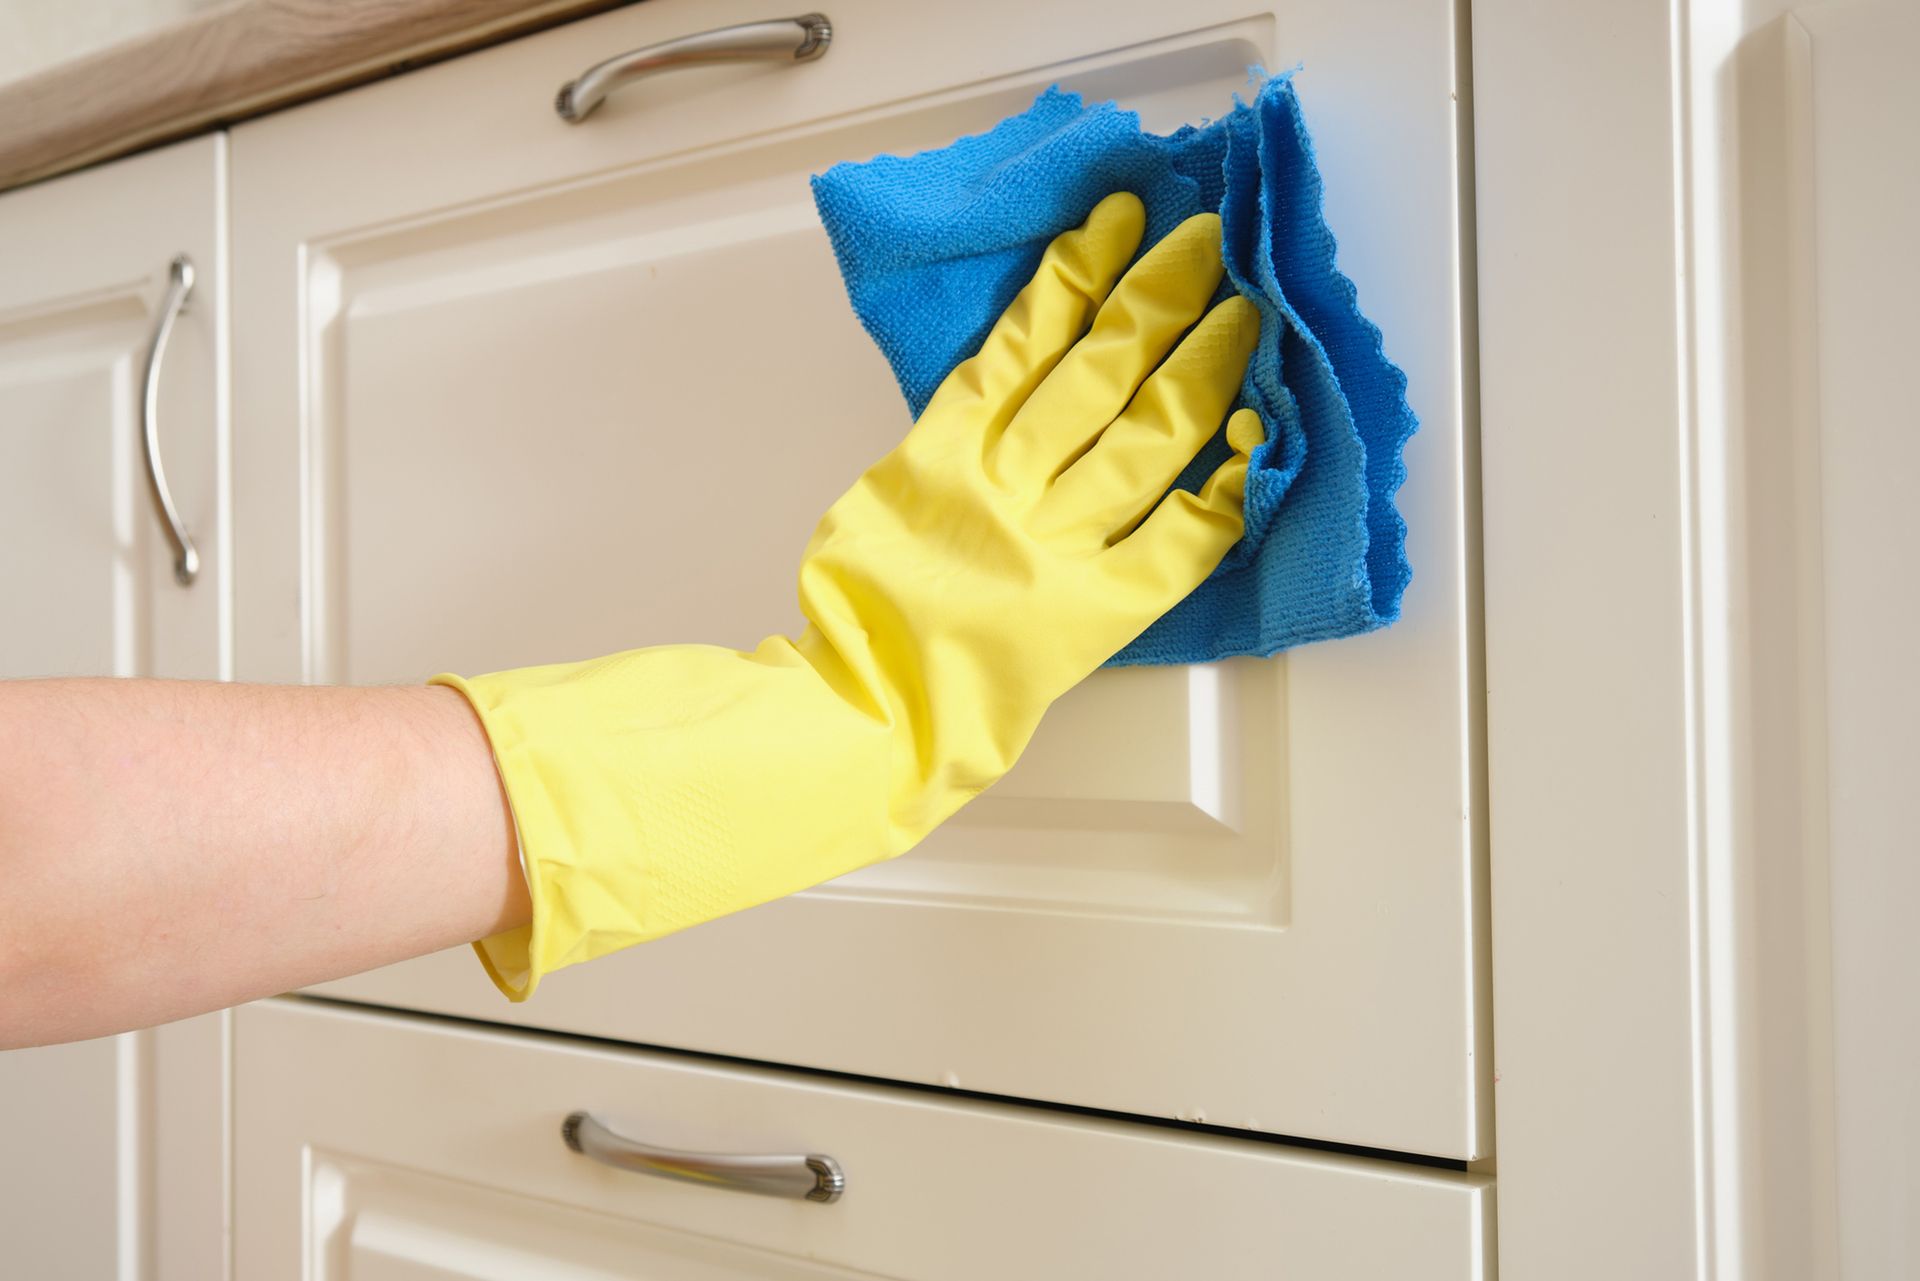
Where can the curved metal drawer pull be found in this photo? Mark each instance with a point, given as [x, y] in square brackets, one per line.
[186, 560]
[805, 1178]
[800, 39]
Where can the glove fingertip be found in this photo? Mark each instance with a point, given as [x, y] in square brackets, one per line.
[1110, 236]
[1121, 211]
[1245, 431]
[1202, 226]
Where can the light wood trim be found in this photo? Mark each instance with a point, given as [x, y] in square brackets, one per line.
[236, 61]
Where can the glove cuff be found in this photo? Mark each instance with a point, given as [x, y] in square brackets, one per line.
[658, 788]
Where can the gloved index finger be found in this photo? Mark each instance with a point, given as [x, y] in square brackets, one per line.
[1075, 275]
[1158, 299]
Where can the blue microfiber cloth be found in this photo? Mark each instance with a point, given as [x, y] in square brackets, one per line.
[933, 248]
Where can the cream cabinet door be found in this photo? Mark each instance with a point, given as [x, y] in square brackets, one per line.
[517, 391]
[375, 1145]
[110, 1150]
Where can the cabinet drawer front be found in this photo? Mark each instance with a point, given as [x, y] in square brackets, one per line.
[382, 1145]
[517, 391]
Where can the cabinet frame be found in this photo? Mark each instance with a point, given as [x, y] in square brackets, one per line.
[1662, 982]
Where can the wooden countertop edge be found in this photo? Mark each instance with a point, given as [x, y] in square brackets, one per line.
[227, 64]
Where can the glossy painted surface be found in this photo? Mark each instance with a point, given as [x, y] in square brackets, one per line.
[519, 391]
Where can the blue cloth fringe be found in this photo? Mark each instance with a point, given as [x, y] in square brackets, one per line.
[933, 247]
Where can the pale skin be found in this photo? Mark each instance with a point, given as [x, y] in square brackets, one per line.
[173, 847]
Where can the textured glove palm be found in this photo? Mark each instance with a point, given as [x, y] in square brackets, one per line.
[1007, 548]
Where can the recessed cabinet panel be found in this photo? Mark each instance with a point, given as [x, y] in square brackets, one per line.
[374, 1221]
[74, 595]
[612, 418]
[436, 1152]
[528, 392]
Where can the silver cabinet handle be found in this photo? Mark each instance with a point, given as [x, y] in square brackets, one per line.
[799, 39]
[805, 1178]
[186, 561]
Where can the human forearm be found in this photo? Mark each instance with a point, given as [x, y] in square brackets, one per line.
[168, 848]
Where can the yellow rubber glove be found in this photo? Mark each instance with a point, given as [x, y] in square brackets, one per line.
[997, 557]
